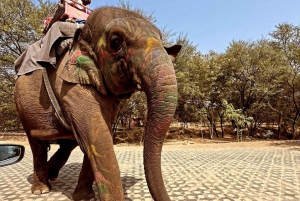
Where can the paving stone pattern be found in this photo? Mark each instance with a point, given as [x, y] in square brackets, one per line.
[270, 173]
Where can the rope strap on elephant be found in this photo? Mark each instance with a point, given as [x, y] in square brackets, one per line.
[58, 111]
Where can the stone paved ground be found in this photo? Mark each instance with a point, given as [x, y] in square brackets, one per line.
[243, 171]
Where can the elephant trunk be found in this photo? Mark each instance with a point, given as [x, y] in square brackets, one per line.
[160, 86]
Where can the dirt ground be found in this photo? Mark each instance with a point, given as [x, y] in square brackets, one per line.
[188, 143]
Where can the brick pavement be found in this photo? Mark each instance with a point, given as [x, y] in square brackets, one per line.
[227, 173]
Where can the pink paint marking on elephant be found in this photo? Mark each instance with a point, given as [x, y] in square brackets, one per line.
[100, 180]
[102, 58]
[99, 177]
[74, 56]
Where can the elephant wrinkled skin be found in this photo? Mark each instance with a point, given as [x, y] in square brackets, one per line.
[116, 53]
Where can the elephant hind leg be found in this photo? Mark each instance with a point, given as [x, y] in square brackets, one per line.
[59, 159]
[40, 183]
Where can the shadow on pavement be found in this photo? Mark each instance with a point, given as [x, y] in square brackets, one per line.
[292, 144]
[66, 186]
[128, 182]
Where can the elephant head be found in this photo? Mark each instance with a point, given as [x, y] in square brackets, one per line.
[119, 52]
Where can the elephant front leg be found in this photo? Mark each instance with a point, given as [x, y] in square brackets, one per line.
[91, 118]
[104, 167]
[40, 176]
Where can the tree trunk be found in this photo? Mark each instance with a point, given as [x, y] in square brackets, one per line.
[215, 130]
[294, 123]
[221, 124]
[114, 128]
[129, 122]
[279, 125]
[213, 127]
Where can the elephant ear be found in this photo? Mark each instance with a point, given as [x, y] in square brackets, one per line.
[81, 67]
[173, 51]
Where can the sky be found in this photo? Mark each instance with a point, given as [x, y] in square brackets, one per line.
[214, 24]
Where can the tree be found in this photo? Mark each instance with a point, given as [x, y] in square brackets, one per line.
[218, 89]
[187, 89]
[196, 75]
[252, 71]
[236, 116]
[20, 25]
[134, 107]
[286, 39]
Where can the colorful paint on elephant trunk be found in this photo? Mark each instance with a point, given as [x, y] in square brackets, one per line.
[100, 180]
[160, 86]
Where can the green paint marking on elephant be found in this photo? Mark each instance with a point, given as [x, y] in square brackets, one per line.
[170, 98]
[102, 189]
[80, 64]
[80, 60]
[94, 150]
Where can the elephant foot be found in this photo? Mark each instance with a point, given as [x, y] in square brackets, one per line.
[41, 188]
[83, 194]
[52, 175]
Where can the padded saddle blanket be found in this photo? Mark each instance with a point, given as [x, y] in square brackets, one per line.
[42, 53]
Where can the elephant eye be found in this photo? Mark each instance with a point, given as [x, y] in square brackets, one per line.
[116, 42]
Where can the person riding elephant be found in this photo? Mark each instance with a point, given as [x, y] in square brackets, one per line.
[59, 14]
[116, 53]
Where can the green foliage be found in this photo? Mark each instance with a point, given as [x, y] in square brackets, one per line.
[134, 107]
[251, 75]
[9, 119]
[286, 40]
[251, 72]
[188, 65]
[235, 115]
[129, 136]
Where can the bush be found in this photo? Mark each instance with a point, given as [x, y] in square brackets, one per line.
[129, 136]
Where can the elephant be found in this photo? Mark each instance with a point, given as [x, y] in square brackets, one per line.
[116, 53]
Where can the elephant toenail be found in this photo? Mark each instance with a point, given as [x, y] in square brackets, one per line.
[37, 192]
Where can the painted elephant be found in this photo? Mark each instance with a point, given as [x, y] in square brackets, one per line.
[116, 53]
